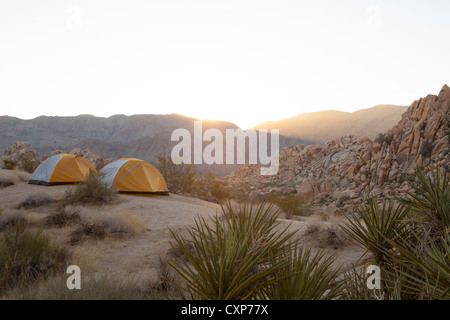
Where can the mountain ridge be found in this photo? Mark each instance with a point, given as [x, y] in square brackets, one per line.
[322, 126]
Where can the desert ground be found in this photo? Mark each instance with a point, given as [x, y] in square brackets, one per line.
[138, 255]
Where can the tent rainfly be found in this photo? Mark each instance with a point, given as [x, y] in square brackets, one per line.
[131, 175]
[62, 169]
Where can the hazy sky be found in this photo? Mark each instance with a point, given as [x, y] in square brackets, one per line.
[242, 61]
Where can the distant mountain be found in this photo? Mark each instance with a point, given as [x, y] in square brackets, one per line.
[142, 136]
[324, 126]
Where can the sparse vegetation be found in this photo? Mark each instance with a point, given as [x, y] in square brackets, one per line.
[210, 188]
[290, 204]
[9, 219]
[35, 200]
[27, 164]
[382, 138]
[9, 164]
[65, 215]
[27, 256]
[98, 225]
[427, 149]
[93, 288]
[90, 191]
[179, 178]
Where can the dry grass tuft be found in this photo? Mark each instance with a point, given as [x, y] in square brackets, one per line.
[12, 177]
[98, 225]
[34, 200]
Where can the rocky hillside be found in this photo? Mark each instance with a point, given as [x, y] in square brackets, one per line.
[23, 156]
[344, 170]
[141, 136]
[324, 126]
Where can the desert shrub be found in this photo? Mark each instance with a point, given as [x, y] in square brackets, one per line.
[34, 200]
[6, 182]
[427, 149]
[98, 225]
[9, 219]
[26, 256]
[381, 139]
[65, 215]
[290, 204]
[27, 164]
[210, 188]
[90, 191]
[165, 279]
[9, 164]
[180, 178]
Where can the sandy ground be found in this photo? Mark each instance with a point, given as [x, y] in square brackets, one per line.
[138, 256]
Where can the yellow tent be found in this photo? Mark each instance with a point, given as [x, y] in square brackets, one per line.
[134, 176]
[62, 169]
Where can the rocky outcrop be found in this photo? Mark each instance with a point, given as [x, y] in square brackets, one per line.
[22, 155]
[347, 169]
[96, 160]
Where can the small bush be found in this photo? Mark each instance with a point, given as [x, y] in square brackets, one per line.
[210, 188]
[62, 217]
[34, 200]
[6, 182]
[179, 178]
[26, 256]
[381, 139]
[27, 164]
[427, 149]
[91, 191]
[10, 219]
[99, 225]
[9, 164]
[290, 204]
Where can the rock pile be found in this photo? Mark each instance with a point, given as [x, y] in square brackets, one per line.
[345, 170]
[22, 155]
[25, 158]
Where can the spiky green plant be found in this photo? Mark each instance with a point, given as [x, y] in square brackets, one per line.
[306, 276]
[431, 202]
[423, 268]
[228, 257]
[378, 227]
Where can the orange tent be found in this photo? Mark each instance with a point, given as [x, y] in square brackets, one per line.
[62, 169]
[134, 176]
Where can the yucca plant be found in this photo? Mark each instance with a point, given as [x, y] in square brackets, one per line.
[423, 268]
[378, 227]
[431, 202]
[306, 276]
[228, 257]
